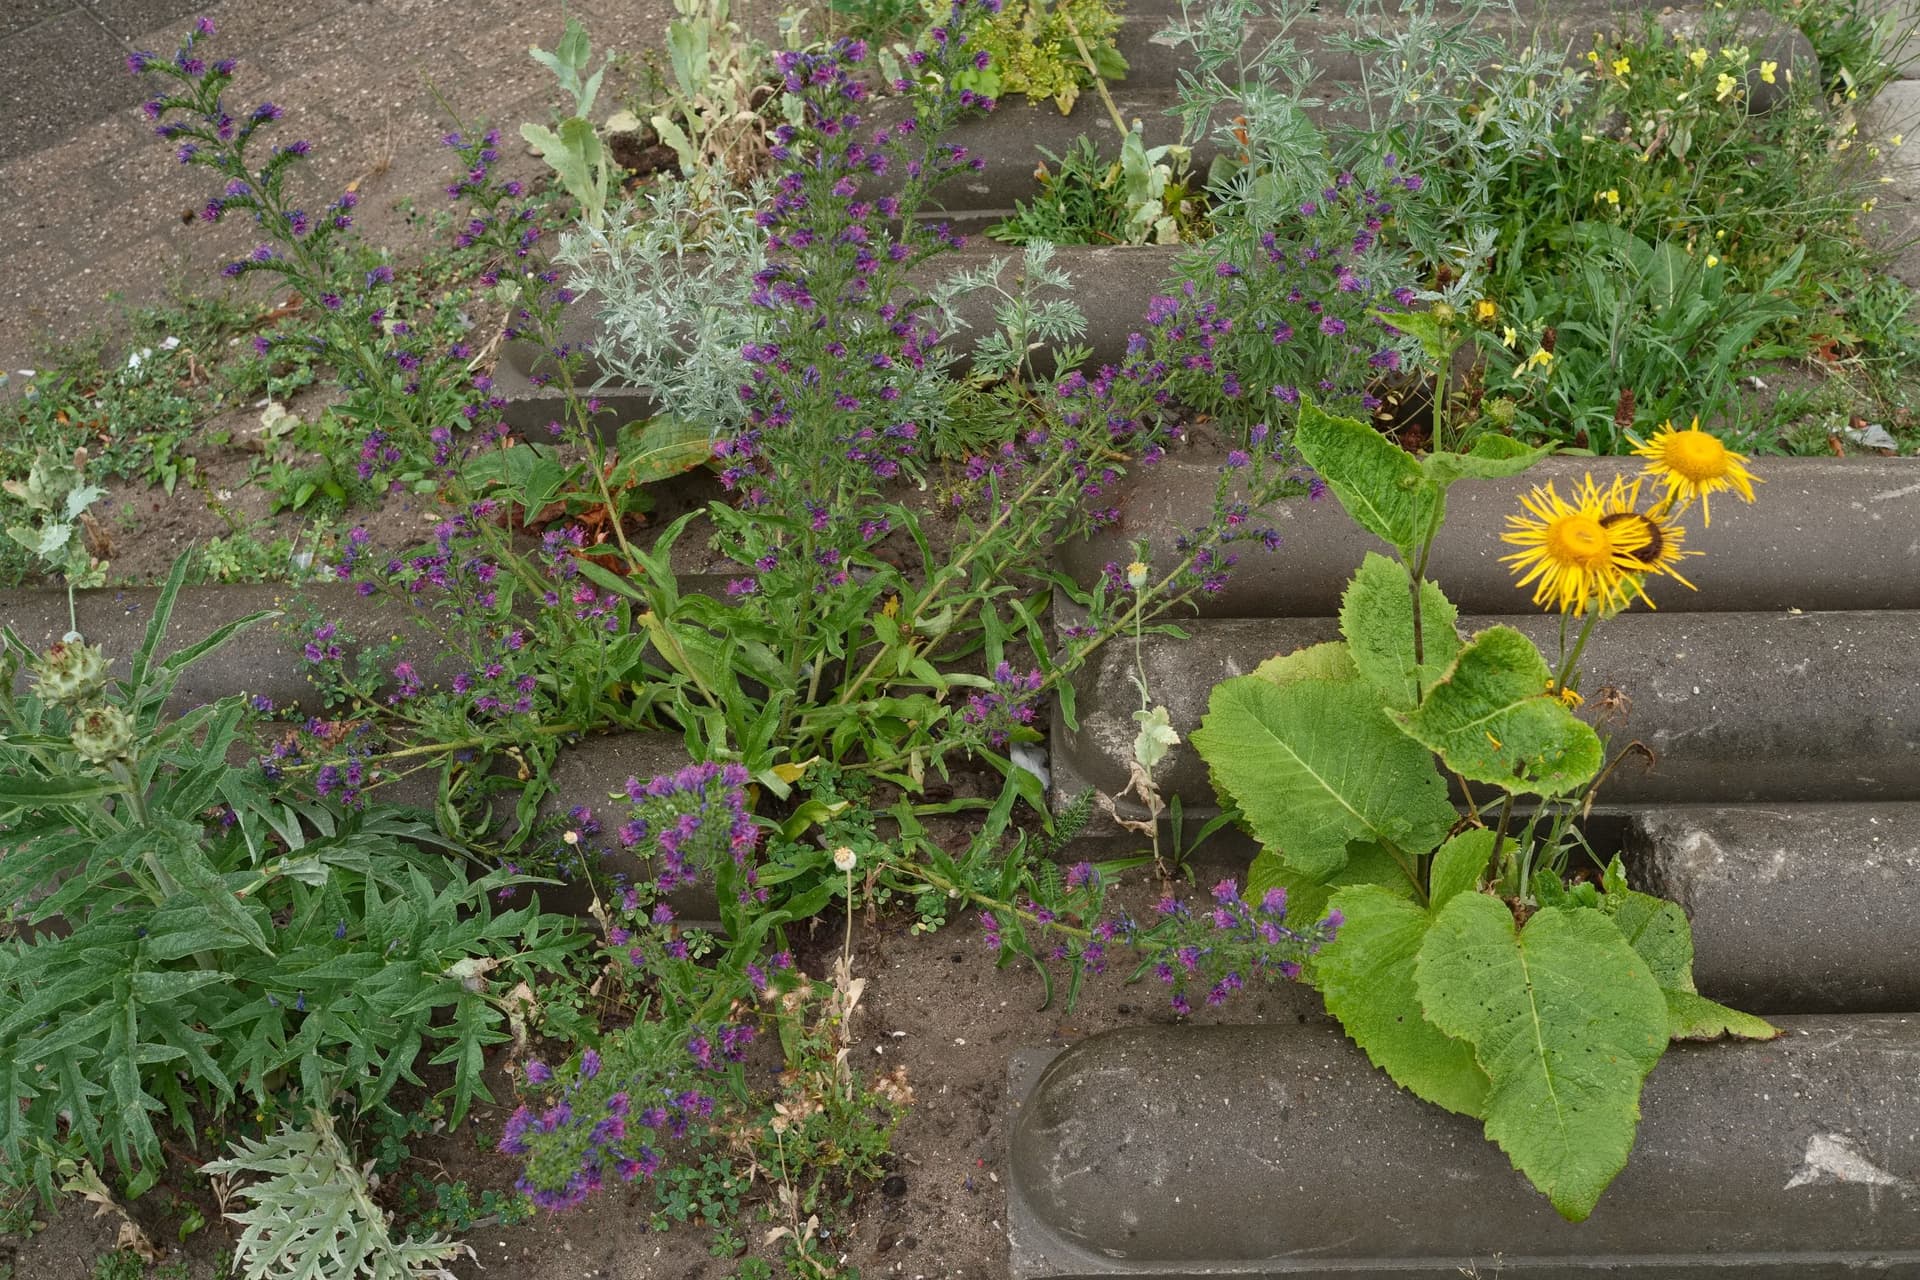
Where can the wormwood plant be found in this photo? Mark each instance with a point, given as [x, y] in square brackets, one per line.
[1468, 965]
[181, 936]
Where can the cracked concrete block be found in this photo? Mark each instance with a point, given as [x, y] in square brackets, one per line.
[1826, 533]
[1736, 707]
[1795, 908]
[1177, 1152]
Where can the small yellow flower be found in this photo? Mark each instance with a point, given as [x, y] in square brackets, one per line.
[1622, 66]
[1723, 87]
[1897, 139]
[1713, 260]
[1698, 58]
[1694, 464]
[1568, 698]
[1137, 575]
[1611, 195]
[1509, 336]
[1593, 57]
[1484, 311]
[1540, 359]
[1766, 72]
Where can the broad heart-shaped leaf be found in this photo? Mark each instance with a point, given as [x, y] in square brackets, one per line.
[1566, 1020]
[1376, 616]
[1328, 660]
[1367, 976]
[1308, 896]
[1491, 720]
[1457, 866]
[1488, 458]
[1315, 765]
[1377, 481]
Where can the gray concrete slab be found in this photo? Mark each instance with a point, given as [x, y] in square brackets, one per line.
[1737, 707]
[58, 74]
[1176, 1152]
[1824, 533]
[130, 18]
[1795, 908]
[21, 14]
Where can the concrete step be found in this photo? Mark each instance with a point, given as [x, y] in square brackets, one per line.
[1737, 707]
[1177, 1152]
[1826, 533]
[1795, 907]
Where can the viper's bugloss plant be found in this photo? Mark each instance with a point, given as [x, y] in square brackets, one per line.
[407, 370]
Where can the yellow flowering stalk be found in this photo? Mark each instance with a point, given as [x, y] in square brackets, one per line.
[1693, 464]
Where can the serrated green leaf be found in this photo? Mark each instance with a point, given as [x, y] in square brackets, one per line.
[1376, 616]
[1316, 765]
[1491, 720]
[1566, 1020]
[1308, 896]
[1691, 1016]
[1489, 458]
[1329, 660]
[1659, 931]
[1379, 483]
[1366, 975]
[1458, 866]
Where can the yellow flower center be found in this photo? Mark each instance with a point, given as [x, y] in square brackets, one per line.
[1695, 456]
[1579, 540]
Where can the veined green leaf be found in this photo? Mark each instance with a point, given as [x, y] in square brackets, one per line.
[1566, 1020]
[1316, 765]
[1492, 720]
[1376, 616]
[1379, 483]
[1366, 975]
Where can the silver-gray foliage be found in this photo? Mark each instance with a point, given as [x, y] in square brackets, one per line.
[670, 278]
[314, 1216]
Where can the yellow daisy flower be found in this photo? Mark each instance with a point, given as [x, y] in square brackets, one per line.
[1485, 310]
[1693, 464]
[1566, 550]
[1647, 542]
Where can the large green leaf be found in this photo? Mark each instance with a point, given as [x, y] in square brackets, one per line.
[1377, 481]
[1458, 865]
[1309, 896]
[1315, 765]
[1367, 976]
[1328, 660]
[658, 449]
[1491, 720]
[1566, 1019]
[1488, 458]
[1376, 616]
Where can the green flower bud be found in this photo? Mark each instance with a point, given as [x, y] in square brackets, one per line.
[70, 673]
[103, 734]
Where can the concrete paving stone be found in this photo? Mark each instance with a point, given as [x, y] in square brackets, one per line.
[1825, 533]
[1177, 1152]
[1896, 113]
[21, 14]
[130, 18]
[57, 77]
[1795, 908]
[1737, 707]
